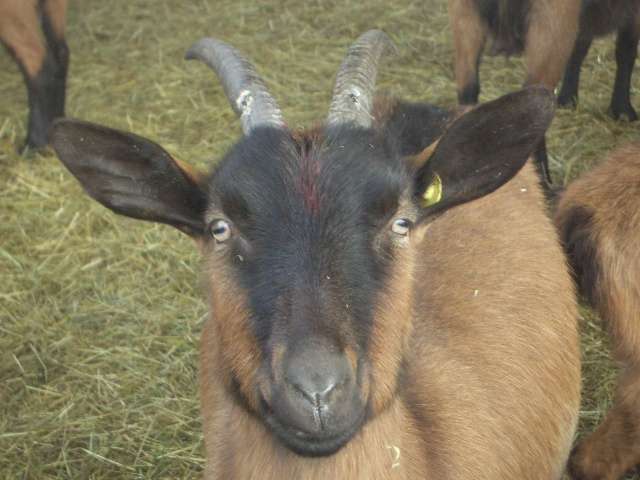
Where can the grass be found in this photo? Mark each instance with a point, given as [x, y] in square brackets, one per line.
[100, 315]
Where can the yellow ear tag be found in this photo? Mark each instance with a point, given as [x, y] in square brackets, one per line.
[433, 193]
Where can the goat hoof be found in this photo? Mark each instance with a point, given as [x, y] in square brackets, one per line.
[567, 101]
[28, 150]
[31, 146]
[627, 111]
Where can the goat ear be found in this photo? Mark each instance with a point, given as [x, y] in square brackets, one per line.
[131, 175]
[483, 149]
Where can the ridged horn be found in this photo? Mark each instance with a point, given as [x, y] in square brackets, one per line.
[353, 92]
[244, 88]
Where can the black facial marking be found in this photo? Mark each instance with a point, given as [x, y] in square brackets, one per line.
[310, 210]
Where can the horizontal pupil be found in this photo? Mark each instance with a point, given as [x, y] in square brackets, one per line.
[219, 230]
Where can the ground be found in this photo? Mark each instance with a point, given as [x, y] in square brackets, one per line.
[100, 315]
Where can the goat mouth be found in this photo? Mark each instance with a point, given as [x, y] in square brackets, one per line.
[306, 444]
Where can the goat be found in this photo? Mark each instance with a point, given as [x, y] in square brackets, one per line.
[544, 30]
[33, 31]
[599, 18]
[368, 307]
[599, 222]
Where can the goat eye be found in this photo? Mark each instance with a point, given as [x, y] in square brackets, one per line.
[220, 231]
[401, 226]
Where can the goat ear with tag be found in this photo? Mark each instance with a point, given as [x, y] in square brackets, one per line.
[483, 149]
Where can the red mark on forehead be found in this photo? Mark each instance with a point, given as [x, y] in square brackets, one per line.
[309, 173]
[309, 183]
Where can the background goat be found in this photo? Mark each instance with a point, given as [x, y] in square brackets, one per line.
[598, 18]
[599, 222]
[544, 30]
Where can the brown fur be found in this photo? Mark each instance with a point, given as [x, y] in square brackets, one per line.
[57, 12]
[196, 176]
[20, 30]
[237, 357]
[552, 32]
[33, 31]
[607, 258]
[551, 28]
[483, 342]
[469, 37]
[418, 160]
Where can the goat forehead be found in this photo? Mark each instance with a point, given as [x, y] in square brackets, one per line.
[296, 179]
[308, 209]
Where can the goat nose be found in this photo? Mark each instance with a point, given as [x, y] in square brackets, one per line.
[323, 381]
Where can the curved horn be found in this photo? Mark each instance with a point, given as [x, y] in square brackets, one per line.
[356, 79]
[244, 88]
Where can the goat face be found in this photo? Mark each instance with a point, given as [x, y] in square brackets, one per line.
[310, 233]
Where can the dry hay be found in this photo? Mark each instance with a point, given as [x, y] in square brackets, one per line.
[100, 315]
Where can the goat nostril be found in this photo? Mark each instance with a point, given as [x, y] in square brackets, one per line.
[318, 395]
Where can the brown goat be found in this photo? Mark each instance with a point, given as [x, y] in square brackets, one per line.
[545, 30]
[599, 221]
[599, 18]
[33, 33]
[371, 317]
